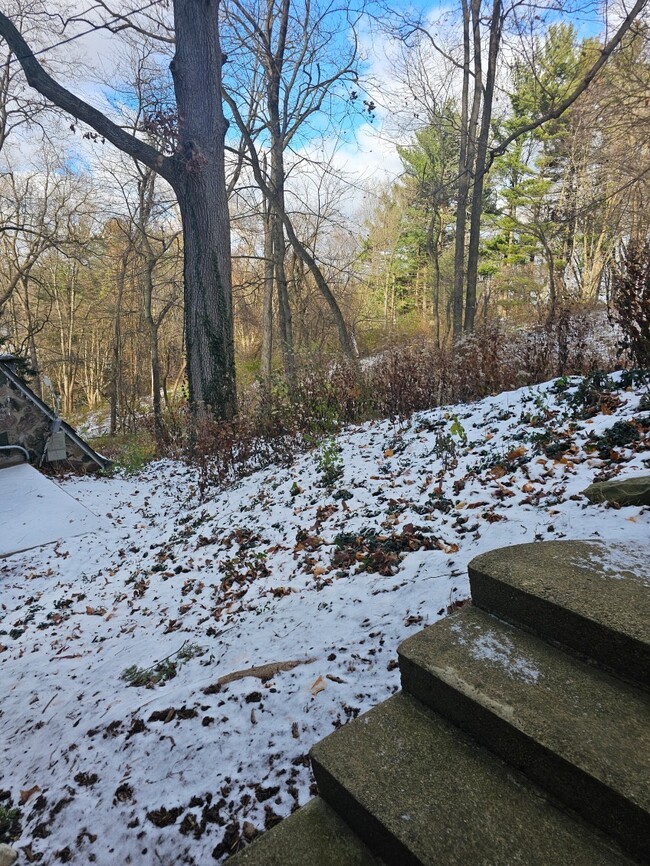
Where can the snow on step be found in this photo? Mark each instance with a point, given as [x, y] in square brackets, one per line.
[589, 596]
[581, 734]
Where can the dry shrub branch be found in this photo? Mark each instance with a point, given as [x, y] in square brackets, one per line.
[273, 424]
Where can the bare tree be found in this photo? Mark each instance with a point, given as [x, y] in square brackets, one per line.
[484, 24]
[288, 49]
[195, 171]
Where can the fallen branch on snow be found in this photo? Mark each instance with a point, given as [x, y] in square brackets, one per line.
[262, 672]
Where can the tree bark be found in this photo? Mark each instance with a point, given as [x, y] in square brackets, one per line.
[469, 122]
[198, 179]
[496, 26]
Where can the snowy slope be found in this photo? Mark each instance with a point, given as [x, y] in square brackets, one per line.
[280, 568]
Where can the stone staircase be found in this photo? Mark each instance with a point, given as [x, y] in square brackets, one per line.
[521, 736]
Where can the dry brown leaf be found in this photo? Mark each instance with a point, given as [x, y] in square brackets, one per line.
[388, 452]
[496, 472]
[26, 794]
[516, 452]
[528, 487]
[317, 686]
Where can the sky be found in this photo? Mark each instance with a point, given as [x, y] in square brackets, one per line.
[360, 147]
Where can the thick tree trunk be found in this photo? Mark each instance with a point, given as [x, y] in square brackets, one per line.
[208, 305]
[199, 182]
[197, 174]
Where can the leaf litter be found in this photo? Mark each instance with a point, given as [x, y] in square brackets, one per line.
[253, 624]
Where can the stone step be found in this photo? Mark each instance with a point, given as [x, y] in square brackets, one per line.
[591, 597]
[581, 734]
[418, 790]
[312, 836]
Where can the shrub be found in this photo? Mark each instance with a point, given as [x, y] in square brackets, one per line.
[274, 423]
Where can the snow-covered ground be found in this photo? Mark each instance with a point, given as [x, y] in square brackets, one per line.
[314, 582]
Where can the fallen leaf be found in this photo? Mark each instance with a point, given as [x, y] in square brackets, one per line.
[317, 686]
[388, 452]
[25, 795]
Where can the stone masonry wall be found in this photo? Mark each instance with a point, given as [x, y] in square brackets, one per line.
[23, 423]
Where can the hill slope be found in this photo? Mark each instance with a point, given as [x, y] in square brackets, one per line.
[164, 680]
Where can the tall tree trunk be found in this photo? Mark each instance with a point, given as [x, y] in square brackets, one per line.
[196, 172]
[199, 182]
[496, 25]
[267, 302]
[468, 126]
[274, 63]
[284, 307]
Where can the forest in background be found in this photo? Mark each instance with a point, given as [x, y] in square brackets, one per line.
[497, 223]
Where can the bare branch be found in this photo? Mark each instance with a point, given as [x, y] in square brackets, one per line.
[559, 110]
[43, 82]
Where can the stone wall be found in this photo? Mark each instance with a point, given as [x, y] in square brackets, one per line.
[23, 422]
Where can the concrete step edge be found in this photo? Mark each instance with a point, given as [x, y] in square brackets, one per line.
[570, 594]
[315, 835]
[544, 712]
[418, 790]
